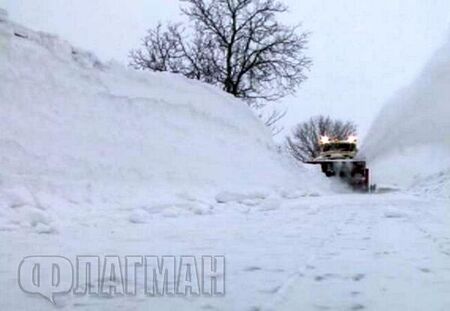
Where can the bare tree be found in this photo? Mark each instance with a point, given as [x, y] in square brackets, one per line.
[272, 119]
[237, 44]
[303, 143]
[166, 50]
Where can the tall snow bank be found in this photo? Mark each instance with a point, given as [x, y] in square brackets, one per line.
[409, 142]
[69, 121]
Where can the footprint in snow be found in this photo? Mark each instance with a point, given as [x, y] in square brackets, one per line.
[139, 217]
[358, 277]
[324, 277]
[394, 214]
[270, 291]
[252, 268]
[425, 270]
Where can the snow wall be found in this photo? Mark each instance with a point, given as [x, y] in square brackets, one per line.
[71, 124]
[408, 145]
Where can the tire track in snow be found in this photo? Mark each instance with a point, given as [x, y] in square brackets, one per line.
[376, 258]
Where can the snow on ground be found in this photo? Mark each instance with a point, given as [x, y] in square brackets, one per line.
[409, 141]
[375, 253]
[99, 160]
[334, 252]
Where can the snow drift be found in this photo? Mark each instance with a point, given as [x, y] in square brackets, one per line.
[95, 132]
[409, 142]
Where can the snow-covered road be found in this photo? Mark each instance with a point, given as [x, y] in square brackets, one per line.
[332, 252]
[387, 253]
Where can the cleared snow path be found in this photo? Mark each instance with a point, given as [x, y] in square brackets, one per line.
[339, 252]
[385, 253]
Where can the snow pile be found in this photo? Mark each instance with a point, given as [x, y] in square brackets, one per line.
[93, 133]
[435, 184]
[409, 142]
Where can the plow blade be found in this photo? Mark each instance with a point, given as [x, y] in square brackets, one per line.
[353, 172]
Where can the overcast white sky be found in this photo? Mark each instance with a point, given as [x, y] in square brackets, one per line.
[363, 51]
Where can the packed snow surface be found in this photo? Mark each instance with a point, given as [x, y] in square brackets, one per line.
[409, 141]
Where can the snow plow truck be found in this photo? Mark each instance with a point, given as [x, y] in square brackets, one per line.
[339, 158]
